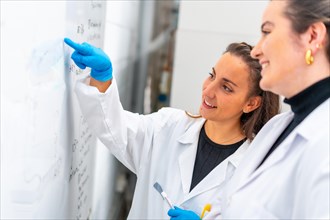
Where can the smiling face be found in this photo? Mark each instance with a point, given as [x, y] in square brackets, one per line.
[280, 52]
[225, 91]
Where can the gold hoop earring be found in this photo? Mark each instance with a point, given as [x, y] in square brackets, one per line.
[309, 57]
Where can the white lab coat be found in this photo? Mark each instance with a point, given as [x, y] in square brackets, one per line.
[293, 183]
[160, 147]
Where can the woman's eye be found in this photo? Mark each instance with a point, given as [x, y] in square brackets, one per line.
[264, 32]
[211, 75]
[227, 89]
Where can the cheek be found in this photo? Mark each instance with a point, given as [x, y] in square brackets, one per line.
[234, 103]
[204, 86]
[271, 42]
[205, 83]
[224, 101]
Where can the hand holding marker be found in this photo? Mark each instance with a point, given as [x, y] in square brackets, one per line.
[176, 211]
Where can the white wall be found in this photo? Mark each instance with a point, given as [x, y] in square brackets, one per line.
[204, 31]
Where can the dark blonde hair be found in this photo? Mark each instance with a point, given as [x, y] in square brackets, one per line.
[252, 122]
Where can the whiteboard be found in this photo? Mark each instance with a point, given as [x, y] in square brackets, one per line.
[47, 150]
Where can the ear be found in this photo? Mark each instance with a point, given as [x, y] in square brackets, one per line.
[252, 104]
[316, 36]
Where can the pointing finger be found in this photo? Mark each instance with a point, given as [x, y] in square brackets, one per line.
[84, 49]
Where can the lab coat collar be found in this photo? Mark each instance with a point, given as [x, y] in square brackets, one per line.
[304, 131]
[219, 174]
[236, 157]
[192, 132]
[265, 143]
[189, 141]
[216, 177]
[308, 132]
[247, 169]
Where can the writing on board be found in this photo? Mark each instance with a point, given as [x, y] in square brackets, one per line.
[48, 151]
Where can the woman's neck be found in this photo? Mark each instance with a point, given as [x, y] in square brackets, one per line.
[224, 133]
[306, 77]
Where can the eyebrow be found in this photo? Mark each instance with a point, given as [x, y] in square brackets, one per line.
[266, 23]
[224, 79]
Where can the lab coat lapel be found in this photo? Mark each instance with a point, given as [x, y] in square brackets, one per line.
[304, 130]
[257, 151]
[277, 155]
[189, 140]
[213, 179]
[219, 174]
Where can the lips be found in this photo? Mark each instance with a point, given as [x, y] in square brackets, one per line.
[264, 64]
[209, 105]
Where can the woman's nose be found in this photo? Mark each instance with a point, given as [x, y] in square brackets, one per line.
[209, 90]
[256, 51]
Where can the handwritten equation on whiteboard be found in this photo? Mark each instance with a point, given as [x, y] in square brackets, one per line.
[85, 25]
[81, 169]
[87, 29]
[48, 149]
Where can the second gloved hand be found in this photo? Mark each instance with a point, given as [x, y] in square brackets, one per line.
[86, 55]
[180, 214]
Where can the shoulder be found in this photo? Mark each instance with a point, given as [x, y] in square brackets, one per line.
[167, 114]
[276, 121]
[280, 117]
[171, 117]
[174, 115]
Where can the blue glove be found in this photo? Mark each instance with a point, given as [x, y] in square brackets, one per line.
[180, 214]
[90, 56]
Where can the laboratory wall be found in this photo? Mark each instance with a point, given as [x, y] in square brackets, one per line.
[204, 31]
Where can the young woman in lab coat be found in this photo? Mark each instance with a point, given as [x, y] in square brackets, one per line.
[191, 158]
[286, 173]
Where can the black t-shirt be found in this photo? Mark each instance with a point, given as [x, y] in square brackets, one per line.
[209, 155]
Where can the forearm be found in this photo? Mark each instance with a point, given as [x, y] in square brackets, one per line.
[101, 86]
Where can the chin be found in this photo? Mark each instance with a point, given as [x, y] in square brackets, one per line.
[264, 84]
[201, 112]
